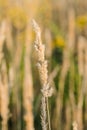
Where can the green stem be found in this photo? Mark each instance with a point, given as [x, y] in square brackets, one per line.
[48, 114]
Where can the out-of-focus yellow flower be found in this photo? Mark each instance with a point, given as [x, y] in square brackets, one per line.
[81, 21]
[18, 17]
[60, 42]
[3, 3]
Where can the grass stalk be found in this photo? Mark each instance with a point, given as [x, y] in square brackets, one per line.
[43, 72]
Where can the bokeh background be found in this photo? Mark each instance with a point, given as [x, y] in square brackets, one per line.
[64, 33]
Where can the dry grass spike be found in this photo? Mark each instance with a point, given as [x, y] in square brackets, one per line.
[43, 72]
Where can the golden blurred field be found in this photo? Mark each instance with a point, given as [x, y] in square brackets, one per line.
[63, 25]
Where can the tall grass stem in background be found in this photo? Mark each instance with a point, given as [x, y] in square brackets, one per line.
[4, 94]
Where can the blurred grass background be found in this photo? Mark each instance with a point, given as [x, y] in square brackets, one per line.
[64, 33]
